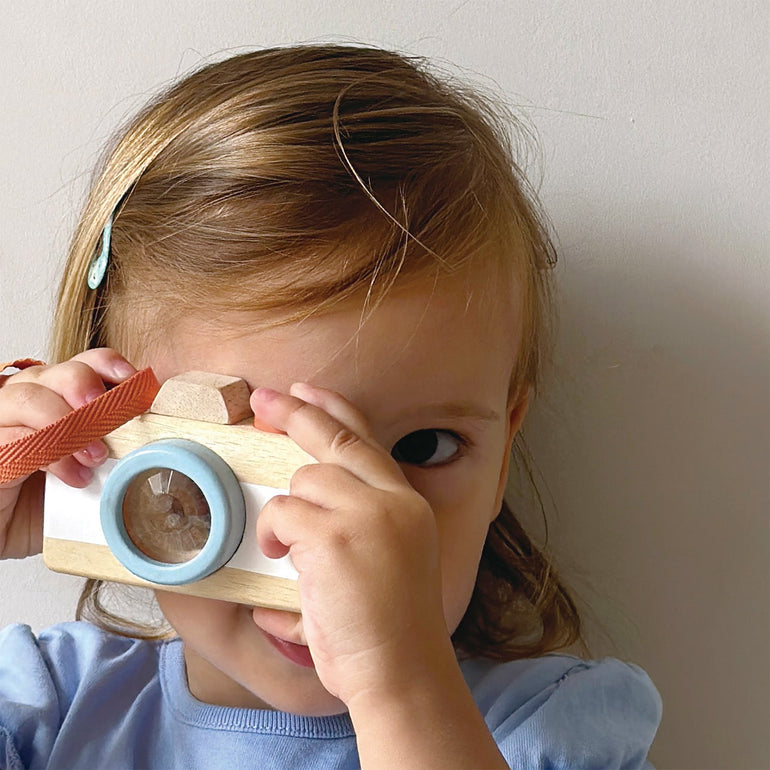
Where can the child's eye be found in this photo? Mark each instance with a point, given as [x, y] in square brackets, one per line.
[427, 447]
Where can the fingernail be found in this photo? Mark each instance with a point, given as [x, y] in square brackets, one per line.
[300, 387]
[96, 451]
[308, 393]
[92, 395]
[123, 369]
[266, 394]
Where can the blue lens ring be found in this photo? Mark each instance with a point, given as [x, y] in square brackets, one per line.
[219, 486]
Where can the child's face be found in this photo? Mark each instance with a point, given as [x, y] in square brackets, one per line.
[428, 359]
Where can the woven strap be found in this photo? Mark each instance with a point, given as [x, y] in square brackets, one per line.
[77, 429]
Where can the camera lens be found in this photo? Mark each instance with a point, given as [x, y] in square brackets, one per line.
[166, 515]
[172, 512]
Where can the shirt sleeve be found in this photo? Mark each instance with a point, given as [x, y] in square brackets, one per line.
[589, 716]
[71, 668]
[29, 703]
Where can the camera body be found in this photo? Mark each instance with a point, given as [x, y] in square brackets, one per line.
[175, 504]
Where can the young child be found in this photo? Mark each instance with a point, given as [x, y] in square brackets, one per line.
[352, 236]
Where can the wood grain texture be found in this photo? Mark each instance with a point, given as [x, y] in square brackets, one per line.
[255, 456]
[204, 396]
[234, 585]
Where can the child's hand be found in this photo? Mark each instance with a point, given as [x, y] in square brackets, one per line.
[30, 400]
[364, 543]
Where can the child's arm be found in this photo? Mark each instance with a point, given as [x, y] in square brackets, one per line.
[431, 723]
[32, 399]
[365, 545]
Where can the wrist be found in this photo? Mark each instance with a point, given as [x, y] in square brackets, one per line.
[423, 720]
[408, 679]
[403, 661]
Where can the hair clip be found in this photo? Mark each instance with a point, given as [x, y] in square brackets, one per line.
[98, 267]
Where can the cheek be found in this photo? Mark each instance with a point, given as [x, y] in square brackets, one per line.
[464, 501]
[458, 570]
[464, 504]
[193, 617]
[462, 535]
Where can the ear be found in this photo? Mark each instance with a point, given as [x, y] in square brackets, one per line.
[517, 410]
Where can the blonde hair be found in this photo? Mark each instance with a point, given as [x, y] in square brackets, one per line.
[291, 179]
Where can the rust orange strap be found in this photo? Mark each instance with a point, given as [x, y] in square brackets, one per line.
[78, 428]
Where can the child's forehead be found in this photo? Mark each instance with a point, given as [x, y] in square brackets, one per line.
[419, 328]
[434, 318]
[466, 296]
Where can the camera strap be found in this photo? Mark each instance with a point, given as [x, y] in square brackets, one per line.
[77, 429]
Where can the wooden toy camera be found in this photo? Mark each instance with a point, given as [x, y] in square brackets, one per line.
[175, 504]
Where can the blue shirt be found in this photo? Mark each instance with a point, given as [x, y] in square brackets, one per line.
[78, 697]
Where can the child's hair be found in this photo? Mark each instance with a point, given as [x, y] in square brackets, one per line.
[290, 179]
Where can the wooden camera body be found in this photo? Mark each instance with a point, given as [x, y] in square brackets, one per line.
[175, 505]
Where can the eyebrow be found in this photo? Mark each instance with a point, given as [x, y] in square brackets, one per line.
[453, 410]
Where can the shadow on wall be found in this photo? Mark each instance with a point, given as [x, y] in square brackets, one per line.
[653, 439]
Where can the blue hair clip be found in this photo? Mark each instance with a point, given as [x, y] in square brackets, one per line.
[98, 267]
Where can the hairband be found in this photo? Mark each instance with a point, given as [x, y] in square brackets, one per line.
[98, 266]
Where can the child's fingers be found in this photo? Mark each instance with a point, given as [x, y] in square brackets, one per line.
[287, 523]
[92, 455]
[330, 402]
[71, 471]
[326, 438]
[75, 382]
[81, 379]
[107, 363]
[336, 405]
[29, 404]
[270, 542]
[76, 470]
[325, 485]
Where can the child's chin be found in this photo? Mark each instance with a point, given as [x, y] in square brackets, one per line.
[309, 704]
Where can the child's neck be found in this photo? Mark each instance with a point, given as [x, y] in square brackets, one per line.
[209, 685]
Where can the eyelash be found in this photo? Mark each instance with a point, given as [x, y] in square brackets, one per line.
[401, 454]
